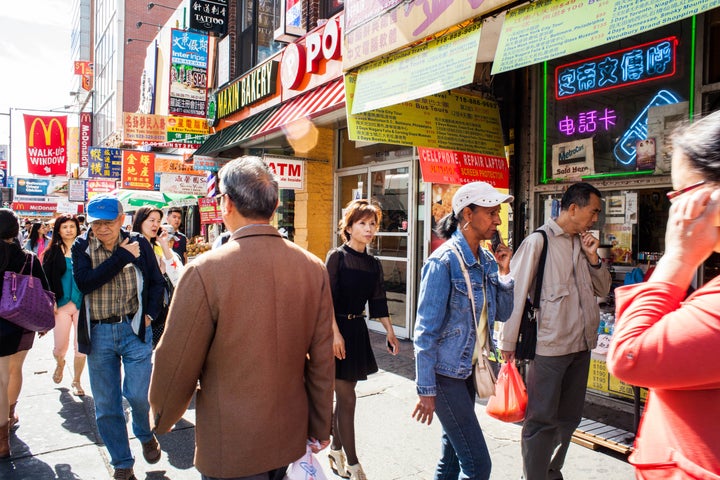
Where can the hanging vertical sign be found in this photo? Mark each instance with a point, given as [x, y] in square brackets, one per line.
[209, 15]
[46, 144]
[188, 73]
[85, 137]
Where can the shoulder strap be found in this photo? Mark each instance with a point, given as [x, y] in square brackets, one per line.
[541, 270]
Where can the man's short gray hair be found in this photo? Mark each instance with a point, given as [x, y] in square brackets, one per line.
[251, 186]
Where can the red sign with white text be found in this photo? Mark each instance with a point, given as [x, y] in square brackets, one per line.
[458, 168]
[85, 137]
[138, 170]
[46, 144]
[209, 212]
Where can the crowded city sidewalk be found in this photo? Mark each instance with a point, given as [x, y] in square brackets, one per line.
[57, 437]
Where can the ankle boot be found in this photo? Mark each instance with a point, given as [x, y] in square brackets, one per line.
[13, 419]
[4, 441]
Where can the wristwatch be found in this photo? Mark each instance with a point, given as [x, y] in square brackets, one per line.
[596, 265]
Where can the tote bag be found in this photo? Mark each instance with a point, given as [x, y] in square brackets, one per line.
[25, 302]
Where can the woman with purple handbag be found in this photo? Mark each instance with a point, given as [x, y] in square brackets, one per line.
[15, 341]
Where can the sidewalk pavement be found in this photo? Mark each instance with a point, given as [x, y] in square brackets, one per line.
[57, 437]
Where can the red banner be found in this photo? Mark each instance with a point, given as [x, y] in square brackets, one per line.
[138, 170]
[458, 168]
[46, 144]
[85, 137]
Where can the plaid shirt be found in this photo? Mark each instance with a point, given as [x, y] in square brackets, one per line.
[117, 297]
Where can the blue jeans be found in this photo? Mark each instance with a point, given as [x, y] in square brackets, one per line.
[464, 452]
[112, 344]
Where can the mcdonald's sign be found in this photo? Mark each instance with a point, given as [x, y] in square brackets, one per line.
[46, 144]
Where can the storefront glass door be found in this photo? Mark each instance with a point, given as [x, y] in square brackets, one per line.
[390, 187]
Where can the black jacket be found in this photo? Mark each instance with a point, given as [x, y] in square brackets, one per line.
[89, 279]
[55, 266]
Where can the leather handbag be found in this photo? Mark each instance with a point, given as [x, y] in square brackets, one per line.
[527, 334]
[484, 375]
[25, 302]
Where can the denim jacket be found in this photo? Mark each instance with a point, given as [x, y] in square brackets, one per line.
[445, 330]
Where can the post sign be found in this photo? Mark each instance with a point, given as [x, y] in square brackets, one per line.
[209, 16]
[209, 212]
[188, 74]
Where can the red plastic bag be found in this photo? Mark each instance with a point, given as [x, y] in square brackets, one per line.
[510, 399]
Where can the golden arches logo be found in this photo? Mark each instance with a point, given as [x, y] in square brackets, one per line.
[47, 129]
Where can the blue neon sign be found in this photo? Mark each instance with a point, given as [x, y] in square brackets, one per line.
[629, 66]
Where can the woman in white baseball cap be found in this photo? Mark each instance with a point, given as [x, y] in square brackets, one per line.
[446, 327]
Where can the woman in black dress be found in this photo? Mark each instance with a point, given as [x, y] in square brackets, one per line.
[356, 278]
[14, 341]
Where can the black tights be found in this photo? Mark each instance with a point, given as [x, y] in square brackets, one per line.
[344, 420]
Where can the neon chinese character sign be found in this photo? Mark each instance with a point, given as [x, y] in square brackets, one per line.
[629, 66]
[588, 122]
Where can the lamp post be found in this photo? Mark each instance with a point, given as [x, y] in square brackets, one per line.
[130, 40]
[140, 24]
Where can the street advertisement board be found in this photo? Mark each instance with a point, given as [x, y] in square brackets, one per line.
[188, 73]
[457, 168]
[104, 162]
[46, 144]
[138, 170]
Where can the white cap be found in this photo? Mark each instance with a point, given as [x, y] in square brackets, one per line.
[481, 194]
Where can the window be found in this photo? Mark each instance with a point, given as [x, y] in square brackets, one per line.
[328, 8]
[255, 41]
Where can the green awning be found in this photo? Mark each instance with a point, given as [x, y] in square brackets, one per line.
[235, 134]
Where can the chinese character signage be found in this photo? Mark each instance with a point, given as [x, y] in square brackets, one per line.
[104, 162]
[143, 128]
[46, 144]
[548, 29]
[183, 184]
[641, 63]
[190, 131]
[138, 170]
[188, 74]
[209, 211]
[608, 110]
[99, 186]
[209, 16]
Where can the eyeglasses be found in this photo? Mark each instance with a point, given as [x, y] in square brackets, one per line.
[673, 194]
[219, 196]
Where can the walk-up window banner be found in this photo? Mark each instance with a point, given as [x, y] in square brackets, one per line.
[46, 144]
[188, 74]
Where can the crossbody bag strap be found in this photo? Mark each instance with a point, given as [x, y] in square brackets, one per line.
[541, 270]
[470, 294]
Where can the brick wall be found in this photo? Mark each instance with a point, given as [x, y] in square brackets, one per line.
[314, 204]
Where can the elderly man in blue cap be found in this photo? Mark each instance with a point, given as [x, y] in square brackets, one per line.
[122, 286]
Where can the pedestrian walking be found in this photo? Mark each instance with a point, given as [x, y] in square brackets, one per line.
[58, 267]
[667, 342]
[122, 285]
[179, 241]
[567, 325]
[356, 278]
[252, 322]
[15, 341]
[37, 239]
[446, 328]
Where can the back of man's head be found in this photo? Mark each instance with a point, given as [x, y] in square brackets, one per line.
[578, 193]
[251, 186]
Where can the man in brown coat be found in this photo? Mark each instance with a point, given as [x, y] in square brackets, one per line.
[252, 322]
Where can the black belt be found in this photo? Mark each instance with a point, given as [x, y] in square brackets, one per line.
[350, 316]
[113, 319]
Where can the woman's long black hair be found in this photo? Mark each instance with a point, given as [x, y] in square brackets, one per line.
[34, 234]
[56, 241]
[9, 228]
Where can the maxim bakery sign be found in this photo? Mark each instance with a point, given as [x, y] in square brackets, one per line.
[243, 92]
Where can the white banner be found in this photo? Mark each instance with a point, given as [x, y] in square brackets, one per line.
[290, 172]
[183, 184]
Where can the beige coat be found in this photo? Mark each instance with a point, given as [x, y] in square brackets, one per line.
[252, 321]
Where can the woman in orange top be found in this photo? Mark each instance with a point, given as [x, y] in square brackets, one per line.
[668, 343]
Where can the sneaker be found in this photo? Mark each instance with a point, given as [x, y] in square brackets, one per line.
[151, 450]
[124, 474]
